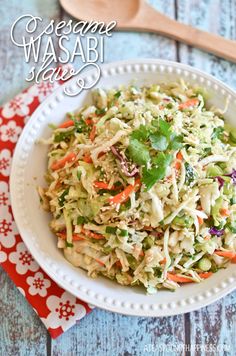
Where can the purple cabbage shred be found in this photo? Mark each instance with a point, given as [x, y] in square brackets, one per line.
[214, 231]
[221, 181]
[129, 170]
[232, 176]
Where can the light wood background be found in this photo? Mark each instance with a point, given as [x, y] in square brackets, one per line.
[102, 333]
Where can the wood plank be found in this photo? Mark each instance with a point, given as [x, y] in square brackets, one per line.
[215, 16]
[103, 334]
[21, 331]
[215, 325]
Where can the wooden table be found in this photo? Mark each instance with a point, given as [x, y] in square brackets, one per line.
[103, 333]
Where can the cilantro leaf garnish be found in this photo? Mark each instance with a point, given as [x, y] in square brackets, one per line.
[151, 176]
[158, 141]
[165, 128]
[158, 172]
[163, 159]
[141, 134]
[176, 142]
[138, 152]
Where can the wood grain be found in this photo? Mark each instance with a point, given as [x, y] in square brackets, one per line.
[21, 331]
[218, 17]
[103, 334]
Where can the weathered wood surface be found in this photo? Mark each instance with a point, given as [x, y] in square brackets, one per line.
[104, 333]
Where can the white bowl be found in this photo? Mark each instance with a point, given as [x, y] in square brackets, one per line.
[30, 161]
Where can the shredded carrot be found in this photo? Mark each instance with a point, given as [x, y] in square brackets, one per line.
[89, 121]
[163, 261]
[224, 212]
[87, 158]
[177, 165]
[92, 234]
[62, 162]
[124, 195]
[188, 103]
[141, 253]
[179, 156]
[178, 279]
[66, 124]
[205, 275]
[75, 237]
[227, 254]
[200, 220]
[103, 185]
[92, 134]
[99, 261]
[233, 260]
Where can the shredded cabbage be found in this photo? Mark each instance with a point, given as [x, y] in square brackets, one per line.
[141, 186]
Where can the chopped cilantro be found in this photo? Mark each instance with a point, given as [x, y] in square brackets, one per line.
[165, 128]
[217, 133]
[80, 125]
[62, 197]
[141, 133]
[155, 122]
[206, 151]
[63, 135]
[163, 159]
[158, 142]
[117, 94]
[151, 176]
[100, 111]
[176, 142]
[138, 152]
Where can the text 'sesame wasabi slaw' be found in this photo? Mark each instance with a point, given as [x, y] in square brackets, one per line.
[142, 187]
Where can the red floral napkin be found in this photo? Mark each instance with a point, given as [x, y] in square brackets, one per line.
[57, 309]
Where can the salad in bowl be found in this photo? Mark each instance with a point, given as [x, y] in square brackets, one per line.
[141, 186]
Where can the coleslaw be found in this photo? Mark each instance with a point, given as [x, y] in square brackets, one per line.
[141, 186]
